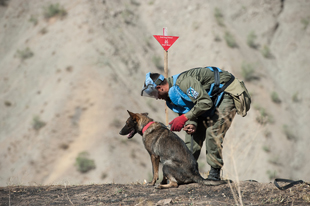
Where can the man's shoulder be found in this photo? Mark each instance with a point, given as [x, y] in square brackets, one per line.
[194, 74]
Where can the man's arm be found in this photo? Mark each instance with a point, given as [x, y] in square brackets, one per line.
[193, 88]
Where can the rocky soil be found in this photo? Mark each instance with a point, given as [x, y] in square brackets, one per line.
[244, 193]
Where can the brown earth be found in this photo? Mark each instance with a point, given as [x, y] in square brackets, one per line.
[252, 193]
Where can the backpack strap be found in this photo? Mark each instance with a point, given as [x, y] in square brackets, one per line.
[220, 90]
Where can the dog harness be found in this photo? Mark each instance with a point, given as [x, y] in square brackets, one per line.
[180, 101]
[147, 126]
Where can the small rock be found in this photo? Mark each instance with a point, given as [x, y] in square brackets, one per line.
[164, 202]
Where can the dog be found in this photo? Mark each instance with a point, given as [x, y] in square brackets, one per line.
[179, 165]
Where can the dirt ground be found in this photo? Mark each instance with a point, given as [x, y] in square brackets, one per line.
[252, 193]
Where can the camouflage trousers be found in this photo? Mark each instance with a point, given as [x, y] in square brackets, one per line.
[212, 131]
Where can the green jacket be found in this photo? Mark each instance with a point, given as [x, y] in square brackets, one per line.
[200, 79]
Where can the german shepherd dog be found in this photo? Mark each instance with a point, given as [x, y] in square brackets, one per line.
[179, 165]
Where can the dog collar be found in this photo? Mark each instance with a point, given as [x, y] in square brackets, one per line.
[147, 126]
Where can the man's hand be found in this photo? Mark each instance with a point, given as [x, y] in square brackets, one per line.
[190, 129]
[178, 123]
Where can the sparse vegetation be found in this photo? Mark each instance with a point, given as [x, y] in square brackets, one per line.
[248, 71]
[116, 123]
[263, 116]
[83, 163]
[275, 98]
[267, 133]
[271, 174]
[158, 63]
[104, 175]
[43, 31]
[219, 17]
[24, 54]
[266, 52]
[217, 38]
[274, 160]
[266, 148]
[305, 22]
[230, 40]
[64, 146]
[33, 20]
[4, 2]
[133, 154]
[128, 16]
[54, 10]
[295, 97]
[195, 25]
[37, 123]
[7, 103]
[289, 133]
[251, 40]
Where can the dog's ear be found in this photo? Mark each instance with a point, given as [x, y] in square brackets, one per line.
[134, 116]
[145, 113]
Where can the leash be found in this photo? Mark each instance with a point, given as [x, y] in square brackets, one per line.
[192, 143]
[291, 183]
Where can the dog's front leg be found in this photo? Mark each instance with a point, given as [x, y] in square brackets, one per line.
[155, 166]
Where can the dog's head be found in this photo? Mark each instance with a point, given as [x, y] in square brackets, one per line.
[134, 124]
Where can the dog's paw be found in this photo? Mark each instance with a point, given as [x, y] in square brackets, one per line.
[152, 183]
[158, 187]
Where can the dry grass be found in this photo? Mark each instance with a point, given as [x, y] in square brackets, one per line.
[249, 193]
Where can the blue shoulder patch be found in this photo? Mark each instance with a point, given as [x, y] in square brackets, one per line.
[192, 93]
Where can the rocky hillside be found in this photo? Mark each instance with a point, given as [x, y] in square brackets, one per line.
[70, 70]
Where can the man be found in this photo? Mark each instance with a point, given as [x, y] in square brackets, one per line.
[206, 100]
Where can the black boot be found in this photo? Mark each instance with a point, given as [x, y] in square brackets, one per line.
[214, 174]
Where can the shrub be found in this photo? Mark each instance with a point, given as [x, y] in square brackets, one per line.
[4, 2]
[275, 97]
[33, 20]
[266, 52]
[43, 31]
[54, 10]
[271, 175]
[217, 38]
[83, 163]
[305, 22]
[104, 175]
[116, 123]
[274, 160]
[37, 123]
[288, 133]
[263, 117]
[157, 62]
[230, 40]
[247, 71]
[251, 40]
[24, 54]
[219, 17]
[266, 148]
[295, 97]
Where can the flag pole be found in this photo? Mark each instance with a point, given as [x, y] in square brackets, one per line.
[165, 31]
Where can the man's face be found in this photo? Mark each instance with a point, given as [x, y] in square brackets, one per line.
[162, 92]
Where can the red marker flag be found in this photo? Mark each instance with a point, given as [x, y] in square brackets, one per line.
[166, 41]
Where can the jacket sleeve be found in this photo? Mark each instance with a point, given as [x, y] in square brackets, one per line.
[194, 90]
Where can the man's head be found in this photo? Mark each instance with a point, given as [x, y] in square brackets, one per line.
[155, 86]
